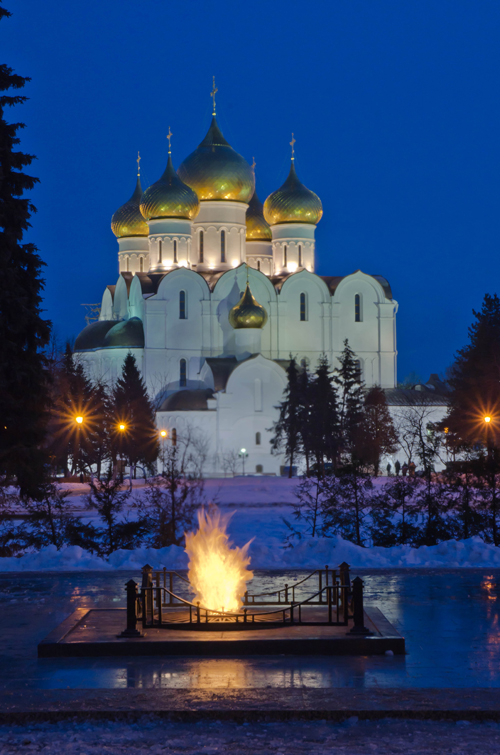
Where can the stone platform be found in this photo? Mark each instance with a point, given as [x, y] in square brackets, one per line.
[95, 633]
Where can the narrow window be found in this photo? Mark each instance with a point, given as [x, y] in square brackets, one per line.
[359, 369]
[357, 308]
[303, 308]
[174, 436]
[258, 264]
[257, 439]
[259, 469]
[182, 374]
[200, 251]
[141, 264]
[300, 255]
[175, 251]
[128, 264]
[222, 246]
[182, 305]
[160, 252]
[285, 256]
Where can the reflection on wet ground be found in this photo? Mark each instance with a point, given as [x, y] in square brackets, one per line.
[449, 619]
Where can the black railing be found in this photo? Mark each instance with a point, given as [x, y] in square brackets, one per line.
[158, 606]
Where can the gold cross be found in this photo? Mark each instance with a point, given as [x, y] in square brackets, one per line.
[292, 146]
[253, 164]
[138, 161]
[169, 136]
[213, 93]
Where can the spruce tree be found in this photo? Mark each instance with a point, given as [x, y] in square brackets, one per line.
[287, 427]
[379, 435]
[24, 390]
[323, 416]
[138, 442]
[350, 396]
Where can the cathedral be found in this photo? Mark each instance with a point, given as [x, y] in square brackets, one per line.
[216, 290]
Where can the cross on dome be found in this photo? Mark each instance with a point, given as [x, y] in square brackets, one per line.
[138, 161]
[169, 137]
[292, 143]
[213, 93]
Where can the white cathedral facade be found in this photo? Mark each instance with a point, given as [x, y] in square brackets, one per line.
[216, 290]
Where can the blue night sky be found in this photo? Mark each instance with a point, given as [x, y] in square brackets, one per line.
[394, 106]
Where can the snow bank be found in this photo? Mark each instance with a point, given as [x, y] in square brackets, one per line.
[270, 554]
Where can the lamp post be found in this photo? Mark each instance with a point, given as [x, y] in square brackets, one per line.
[163, 436]
[243, 455]
[122, 428]
[76, 458]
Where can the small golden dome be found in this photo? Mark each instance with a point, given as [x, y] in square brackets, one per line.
[127, 220]
[248, 313]
[169, 197]
[257, 228]
[293, 203]
[215, 171]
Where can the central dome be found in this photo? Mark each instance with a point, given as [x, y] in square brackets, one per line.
[215, 171]
[248, 313]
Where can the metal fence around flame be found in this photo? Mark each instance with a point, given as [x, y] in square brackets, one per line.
[157, 605]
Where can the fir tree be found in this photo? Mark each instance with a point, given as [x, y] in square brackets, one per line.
[394, 513]
[24, 391]
[307, 511]
[475, 394]
[287, 427]
[139, 441]
[323, 416]
[350, 396]
[106, 497]
[347, 500]
[379, 435]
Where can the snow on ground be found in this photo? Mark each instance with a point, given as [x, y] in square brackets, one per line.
[269, 553]
[259, 506]
[154, 735]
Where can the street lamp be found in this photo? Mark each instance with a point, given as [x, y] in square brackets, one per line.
[79, 420]
[163, 436]
[243, 455]
[487, 419]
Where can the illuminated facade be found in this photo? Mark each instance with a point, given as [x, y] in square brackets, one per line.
[216, 290]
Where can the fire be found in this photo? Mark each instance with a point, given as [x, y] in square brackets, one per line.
[218, 571]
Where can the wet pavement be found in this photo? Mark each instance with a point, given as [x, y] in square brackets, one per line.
[449, 619]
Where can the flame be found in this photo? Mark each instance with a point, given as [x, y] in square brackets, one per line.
[218, 571]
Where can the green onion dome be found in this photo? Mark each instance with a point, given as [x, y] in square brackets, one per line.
[216, 171]
[257, 227]
[293, 203]
[169, 197]
[127, 220]
[248, 313]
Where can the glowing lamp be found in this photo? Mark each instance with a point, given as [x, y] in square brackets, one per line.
[487, 419]
[243, 450]
[79, 420]
[163, 433]
[122, 427]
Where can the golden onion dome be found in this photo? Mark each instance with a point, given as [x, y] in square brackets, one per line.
[248, 313]
[169, 197]
[257, 227]
[127, 220]
[293, 203]
[216, 171]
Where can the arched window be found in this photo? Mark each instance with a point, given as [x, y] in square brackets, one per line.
[257, 439]
[303, 308]
[359, 369]
[258, 264]
[160, 252]
[182, 305]
[357, 308]
[141, 264]
[128, 264]
[300, 255]
[222, 246]
[200, 248]
[285, 256]
[183, 374]
[174, 436]
[259, 469]
[175, 251]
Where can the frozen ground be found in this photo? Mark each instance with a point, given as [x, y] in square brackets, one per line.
[153, 735]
